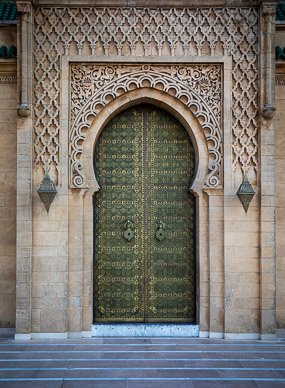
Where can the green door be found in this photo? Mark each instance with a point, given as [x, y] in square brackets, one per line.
[144, 218]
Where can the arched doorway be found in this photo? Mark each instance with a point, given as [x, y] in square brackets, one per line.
[144, 218]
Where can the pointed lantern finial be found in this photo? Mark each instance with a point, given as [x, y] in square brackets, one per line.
[245, 193]
[47, 191]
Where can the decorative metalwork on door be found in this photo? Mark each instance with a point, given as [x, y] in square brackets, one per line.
[144, 220]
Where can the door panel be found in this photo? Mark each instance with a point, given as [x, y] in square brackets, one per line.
[118, 262]
[144, 162]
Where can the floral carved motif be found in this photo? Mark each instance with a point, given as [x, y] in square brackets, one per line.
[158, 32]
[198, 86]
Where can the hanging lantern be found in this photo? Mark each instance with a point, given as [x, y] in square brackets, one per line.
[245, 193]
[47, 191]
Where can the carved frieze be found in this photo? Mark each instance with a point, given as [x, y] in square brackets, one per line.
[8, 78]
[280, 79]
[160, 32]
[198, 86]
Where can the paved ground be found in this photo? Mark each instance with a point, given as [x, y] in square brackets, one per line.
[142, 362]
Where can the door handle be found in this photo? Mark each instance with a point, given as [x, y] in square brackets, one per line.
[160, 233]
[129, 233]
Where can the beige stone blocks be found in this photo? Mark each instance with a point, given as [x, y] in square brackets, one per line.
[53, 320]
[280, 206]
[24, 225]
[49, 276]
[8, 35]
[8, 166]
[244, 320]
[242, 266]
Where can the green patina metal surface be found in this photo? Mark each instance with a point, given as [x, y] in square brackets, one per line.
[8, 53]
[144, 244]
[279, 53]
[280, 11]
[8, 11]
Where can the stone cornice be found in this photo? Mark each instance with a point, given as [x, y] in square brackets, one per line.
[8, 65]
[273, 2]
[152, 3]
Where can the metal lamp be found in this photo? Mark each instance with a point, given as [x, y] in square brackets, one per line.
[245, 193]
[47, 191]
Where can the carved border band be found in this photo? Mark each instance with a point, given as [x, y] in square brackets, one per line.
[8, 78]
[280, 79]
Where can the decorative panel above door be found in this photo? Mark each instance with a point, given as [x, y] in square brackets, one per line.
[144, 217]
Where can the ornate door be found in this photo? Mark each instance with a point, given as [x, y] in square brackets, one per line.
[144, 241]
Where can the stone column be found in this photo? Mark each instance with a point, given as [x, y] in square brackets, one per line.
[202, 263]
[216, 262]
[267, 174]
[24, 7]
[24, 175]
[75, 263]
[87, 265]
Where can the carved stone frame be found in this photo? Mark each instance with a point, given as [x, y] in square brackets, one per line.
[80, 201]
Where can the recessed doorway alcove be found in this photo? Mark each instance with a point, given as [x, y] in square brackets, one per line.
[144, 226]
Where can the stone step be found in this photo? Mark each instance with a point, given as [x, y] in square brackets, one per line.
[142, 362]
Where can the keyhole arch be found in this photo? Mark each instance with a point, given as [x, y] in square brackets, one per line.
[160, 99]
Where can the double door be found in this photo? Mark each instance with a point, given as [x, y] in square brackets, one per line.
[144, 238]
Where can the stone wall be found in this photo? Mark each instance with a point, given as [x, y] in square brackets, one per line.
[280, 185]
[54, 256]
[280, 208]
[8, 191]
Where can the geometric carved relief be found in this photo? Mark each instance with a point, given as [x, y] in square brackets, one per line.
[280, 79]
[6, 78]
[197, 86]
[160, 32]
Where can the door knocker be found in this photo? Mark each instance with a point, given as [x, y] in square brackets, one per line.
[129, 233]
[160, 233]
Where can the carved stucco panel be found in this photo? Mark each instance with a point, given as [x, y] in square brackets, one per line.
[197, 86]
[160, 32]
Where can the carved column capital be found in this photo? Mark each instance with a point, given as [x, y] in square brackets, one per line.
[268, 11]
[23, 6]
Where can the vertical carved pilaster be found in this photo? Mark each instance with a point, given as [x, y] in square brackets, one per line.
[24, 8]
[268, 12]
[266, 192]
[24, 324]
